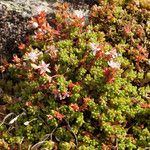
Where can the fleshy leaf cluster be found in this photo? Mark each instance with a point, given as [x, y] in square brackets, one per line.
[81, 81]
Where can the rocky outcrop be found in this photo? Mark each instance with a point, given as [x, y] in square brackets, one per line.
[14, 15]
[27, 8]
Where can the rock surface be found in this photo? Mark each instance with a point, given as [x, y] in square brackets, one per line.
[15, 13]
[28, 8]
[14, 16]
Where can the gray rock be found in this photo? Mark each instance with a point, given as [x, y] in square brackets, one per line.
[28, 8]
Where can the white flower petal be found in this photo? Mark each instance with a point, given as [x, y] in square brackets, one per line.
[113, 64]
[47, 70]
[43, 67]
[113, 53]
[94, 47]
[33, 55]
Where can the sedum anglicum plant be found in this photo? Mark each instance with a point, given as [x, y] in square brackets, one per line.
[81, 82]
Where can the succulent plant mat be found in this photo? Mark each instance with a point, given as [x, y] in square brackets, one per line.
[74, 75]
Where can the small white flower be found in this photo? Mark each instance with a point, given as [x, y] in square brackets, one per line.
[80, 13]
[33, 56]
[114, 64]
[43, 67]
[113, 53]
[94, 47]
